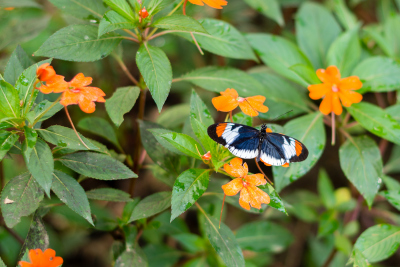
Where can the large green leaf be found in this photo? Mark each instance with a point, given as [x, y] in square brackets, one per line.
[309, 130]
[69, 191]
[81, 9]
[393, 164]
[224, 242]
[100, 127]
[179, 23]
[393, 196]
[132, 257]
[65, 137]
[269, 8]
[391, 32]
[262, 236]
[222, 39]
[7, 140]
[20, 197]
[41, 165]
[29, 142]
[82, 44]
[359, 259]
[97, 166]
[184, 143]
[394, 111]
[344, 15]
[378, 74]
[217, 79]
[316, 29]
[46, 110]
[361, 162]
[376, 120]
[154, 6]
[121, 102]
[161, 255]
[378, 242]
[109, 194]
[18, 62]
[174, 116]
[279, 54]
[188, 188]
[121, 7]
[112, 21]
[151, 205]
[9, 101]
[157, 72]
[345, 52]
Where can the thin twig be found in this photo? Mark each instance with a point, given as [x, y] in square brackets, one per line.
[333, 128]
[162, 33]
[191, 33]
[130, 38]
[73, 127]
[269, 181]
[346, 119]
[125, 70]
[222, 208]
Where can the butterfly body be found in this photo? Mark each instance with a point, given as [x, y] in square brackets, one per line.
[247, 142]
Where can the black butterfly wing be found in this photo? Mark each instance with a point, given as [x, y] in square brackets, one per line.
[241, 140]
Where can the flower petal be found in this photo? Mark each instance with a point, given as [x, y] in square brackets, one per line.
[236, 169]
[233, 187]
[262, 196]
[350, 83]
[231, 93]
[215, 3]
[87, 105]
[45, 72]
[69, 98]
[197, 2]
[25, 264]
[326, 104]
[225, 103]
[244, 199]
[248, 109]
[330, 75]
[256, 179]
[336, 105]
[318, 91]
[255, 202]
[257, 103]
[80, 80]
[350, 97]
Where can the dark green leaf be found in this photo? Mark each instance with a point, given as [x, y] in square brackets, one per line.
[9, 101]
[316, 29]
[121, 7]
[309, 130]
[82, 44]
[65, 137]
[69, 191]
[279, 54]
[151, 205]
[132, 257]
[191, 242]
[121, 102]
[276, 201]
[269, 8]
[361, 162]
[222, 39]
[81, 9]
[46, 109]
[328, 223]
[161, 255]
[393, 196]
[223, 241]
[97, 166]
[41, 165]
[7, 140]
[174, 116]
[18, 62]
[325, 189]
[29, 142]
[112, 21]
[20, 197]
[378, 242]
[188, 188]
[100, 127]
[262, 236]
[156, 69]
[179, 23]
[184, 143]
[376, 120]
[154, 6]
[109, 194]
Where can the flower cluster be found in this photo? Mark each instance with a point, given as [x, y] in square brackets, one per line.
[39, 258]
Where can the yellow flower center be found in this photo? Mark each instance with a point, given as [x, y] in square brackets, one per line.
[335, 88]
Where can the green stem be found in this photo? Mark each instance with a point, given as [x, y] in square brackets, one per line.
[47, 110]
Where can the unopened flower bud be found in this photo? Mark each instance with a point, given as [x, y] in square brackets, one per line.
[143, 13]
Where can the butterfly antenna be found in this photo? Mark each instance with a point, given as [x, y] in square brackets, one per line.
[282, 115]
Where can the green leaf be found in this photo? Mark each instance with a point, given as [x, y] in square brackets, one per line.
[160, 255]
[132, 257]
[242, 118]
[308, 129]
[191, 242]
[41, 165]
[378, 242]
[378, 74]
[326, 190]
[217, 79]
[20, 197]
[279, 54]
[282, 96]
[391, 32]
[45, 107]
[376, 120]
[100, 127]
[328, 223]
[174, 116]
[151, 205]
[222, 39]
[393, 164]
[361, 162]
[121, 102]
[109, 194]
[112, 21]
[121, 7]
[393, 196]
[359, 259]
[306, 72]
[344, 15]
[9, 101]
[69, 191]
[374, 32]
[316, 29]
[65, 137]
[97, 166]
[18, 62]
[19, 3]
[29, 142]
[81, 9]
[345, 52]
[179, 23]
[276, 201]
[188, 188]
[223, 241]
[270, 8]
[82, 44]
[7, 140]
[262, 236]
[391, 183]
[200, 119]
[157, 72]
[184, 143]
[394, 111]
[154, 6]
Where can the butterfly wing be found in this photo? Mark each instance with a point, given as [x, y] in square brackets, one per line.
[241, 140]
[278, 149]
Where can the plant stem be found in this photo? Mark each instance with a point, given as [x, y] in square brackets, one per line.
[73, 127]
[162, 33]
[191, 33]
[222, 208]
[47, 110]
[130, 38]
[125, 70]
[333, 129]
[1, 176]
[269, 181]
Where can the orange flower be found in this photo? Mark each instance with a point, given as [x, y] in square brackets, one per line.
[333, 87]
[143, 13]
[53, 83]
[206, 156]
[230, 99]
[9, 8]
[79, 93]
[245, 184]
[212, 3]
[42, 259]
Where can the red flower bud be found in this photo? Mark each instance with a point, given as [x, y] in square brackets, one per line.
[143, 13]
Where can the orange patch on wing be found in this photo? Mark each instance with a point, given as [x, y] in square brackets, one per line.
[220, 129]
[268, 130]
[266, 164]
[285, 165]
[298, 147]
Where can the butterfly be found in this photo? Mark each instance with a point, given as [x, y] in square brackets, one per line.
[247, 142]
